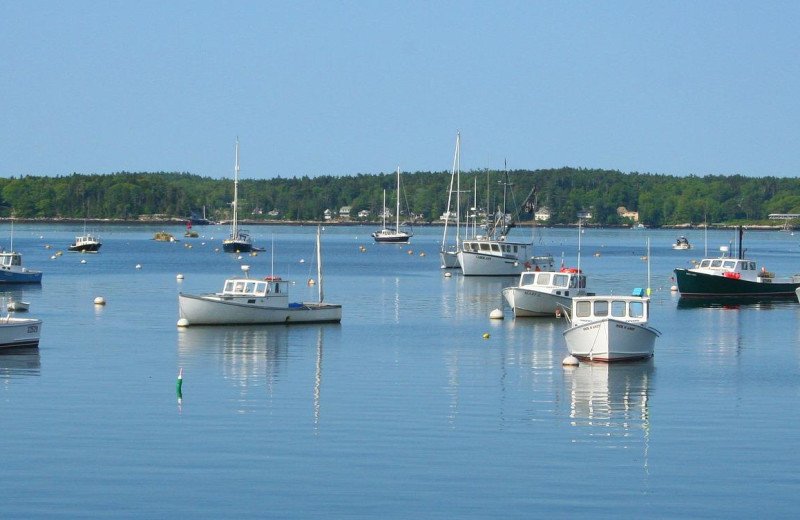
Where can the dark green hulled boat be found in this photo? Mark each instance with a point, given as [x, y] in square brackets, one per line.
[727, 276]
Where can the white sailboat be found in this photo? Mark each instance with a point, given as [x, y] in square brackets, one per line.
[239, 240]
[392, 235]
[449, 254]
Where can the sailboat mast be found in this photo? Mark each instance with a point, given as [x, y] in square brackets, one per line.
[319, 267]
[458, 191]
[397, 226]
[234, 225]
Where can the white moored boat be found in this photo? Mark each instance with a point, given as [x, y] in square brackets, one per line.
[545, 293]
[19, 332]
[493, 254]
[249, 301]
[610, 328]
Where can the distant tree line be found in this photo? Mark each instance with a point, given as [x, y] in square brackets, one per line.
[659, 199]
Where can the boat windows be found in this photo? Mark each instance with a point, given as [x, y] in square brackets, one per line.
[561, 280]
[485, 247]
[583, 309]
[496, 248]
[543, 279]
[729, 264]
[636, 309]
[516, 249]
[618, 309]
[716, 264]
[705, 263]
[601, 308]
[238, 287]
[228, 287]
[527, 278]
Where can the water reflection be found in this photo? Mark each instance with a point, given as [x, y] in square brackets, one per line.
[254, 356]
[242, 353]
[19, 362]
[611, 400]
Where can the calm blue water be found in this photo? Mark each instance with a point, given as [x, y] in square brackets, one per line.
[403, 410]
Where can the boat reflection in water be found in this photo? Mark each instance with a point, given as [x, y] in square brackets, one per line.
[737, 303]
[611, 400]
[19, 362]
[253, 356]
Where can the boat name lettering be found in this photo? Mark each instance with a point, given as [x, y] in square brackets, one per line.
[33, 329]
[590, 327]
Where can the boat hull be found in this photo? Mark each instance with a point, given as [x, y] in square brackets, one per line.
[14, 277]
[694, 284]
[234, 246]
[391, 238]
[610, 340]
[200, 310]
[483, 264]
[530, 303]
[19, 332]
[84, 248]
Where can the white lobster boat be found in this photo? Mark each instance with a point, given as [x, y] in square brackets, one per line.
[545, 293]
[19, 332]
[249, 301]
[610, 328]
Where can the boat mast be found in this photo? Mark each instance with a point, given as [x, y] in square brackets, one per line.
[234, 224]
[384, 209]
[319, 267]
[449, 199]
[397, 226]
[458, 191]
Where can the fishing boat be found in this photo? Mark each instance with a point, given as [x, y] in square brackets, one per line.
[449, 253]
[395, 235]
[239, 240]
[545, 293]
[11, 268]
[86, 243]
[729, 276]
[19, 332]
[610, 328]
[250, 301]
[492, 254]
[681, 244]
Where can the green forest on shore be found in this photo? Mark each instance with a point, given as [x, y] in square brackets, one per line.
[660, 200]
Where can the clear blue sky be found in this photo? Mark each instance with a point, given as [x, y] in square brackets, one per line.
[341, 88]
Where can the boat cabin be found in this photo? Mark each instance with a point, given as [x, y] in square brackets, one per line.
[243, 287]
[730, 268]
[567, 279]
[10, 259]
[494, 247]
[622, 308]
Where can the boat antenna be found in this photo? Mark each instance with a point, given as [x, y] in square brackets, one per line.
[648, 266]
[580, 220]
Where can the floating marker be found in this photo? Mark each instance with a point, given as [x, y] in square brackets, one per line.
[486, 335]
[410, 252]
[183, 322]
[448, 274]
[311, 281]
[99, 301]
[570, 361]
[138, 266]
[83, 261]
[302, 260]
[422, 255]
[496, 314]
[179, 384]
[674, 288]
[179, 277]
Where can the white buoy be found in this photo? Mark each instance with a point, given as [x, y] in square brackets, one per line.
[99, 301]
[570, 361]
[302, 260]
[448, 274]
[138, 266]
[179, 277]
[83, 261]
[674, 288]
[183, 322]
[496, 314]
